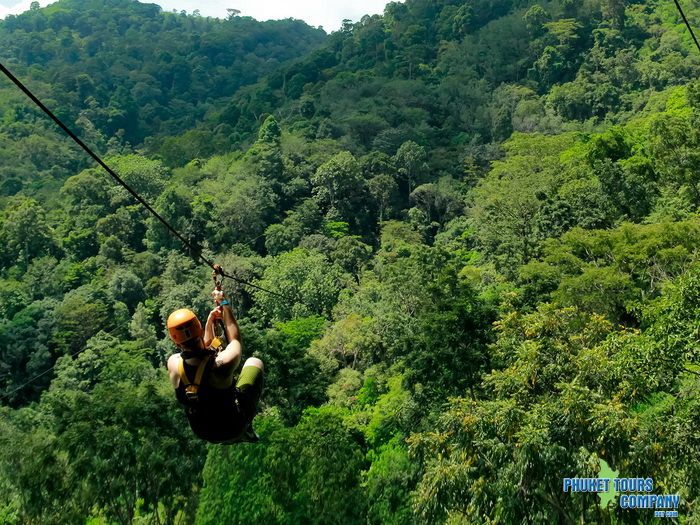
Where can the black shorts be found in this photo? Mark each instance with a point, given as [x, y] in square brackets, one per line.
[219, 423]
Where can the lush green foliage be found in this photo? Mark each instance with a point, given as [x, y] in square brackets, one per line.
[479, 221]
[122, 73]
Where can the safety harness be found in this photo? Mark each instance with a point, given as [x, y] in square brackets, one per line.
[192, 387]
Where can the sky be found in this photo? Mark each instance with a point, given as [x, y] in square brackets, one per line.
[326, 13]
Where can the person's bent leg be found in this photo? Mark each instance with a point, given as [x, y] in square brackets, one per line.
[254, 361]
[250, 386]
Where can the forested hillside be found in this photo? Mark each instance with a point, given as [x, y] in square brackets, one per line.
[125, 73]
[480, 219]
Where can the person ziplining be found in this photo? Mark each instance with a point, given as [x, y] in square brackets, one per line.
[202, 374]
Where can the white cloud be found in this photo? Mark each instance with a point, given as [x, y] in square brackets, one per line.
[13, 7]
[326, 13]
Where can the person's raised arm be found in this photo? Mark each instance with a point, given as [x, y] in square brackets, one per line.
[214, 315]
[231, 355]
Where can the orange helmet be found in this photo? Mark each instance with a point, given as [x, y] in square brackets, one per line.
[184, 327]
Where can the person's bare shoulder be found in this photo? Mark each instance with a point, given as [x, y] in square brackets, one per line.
[173, 371]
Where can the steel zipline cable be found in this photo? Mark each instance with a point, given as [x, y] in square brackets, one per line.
[34, 378]
[194, 251]
[687, 24]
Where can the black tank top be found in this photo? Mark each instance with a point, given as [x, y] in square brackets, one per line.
[214, 416]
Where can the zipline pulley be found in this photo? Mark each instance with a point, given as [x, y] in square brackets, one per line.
[220, 301]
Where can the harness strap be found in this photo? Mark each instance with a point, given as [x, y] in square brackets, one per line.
[200, 371]
[192, 388]
[183, 374]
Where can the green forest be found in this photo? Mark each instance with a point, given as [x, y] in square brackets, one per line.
[480, 220]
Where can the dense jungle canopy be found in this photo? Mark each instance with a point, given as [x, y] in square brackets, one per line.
[488, 210]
